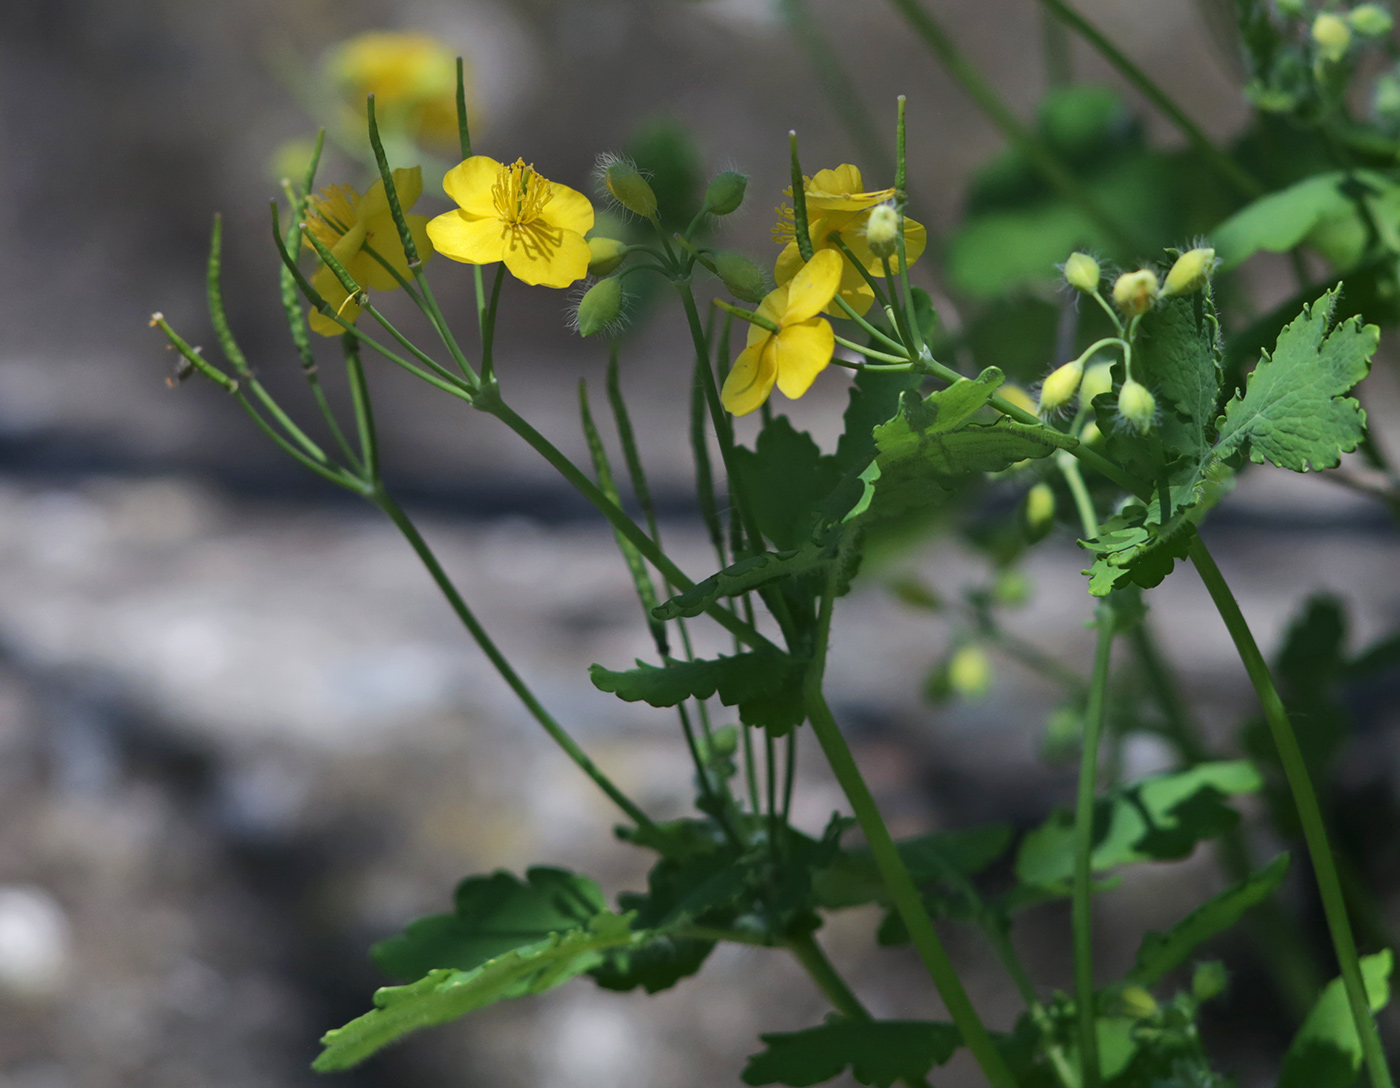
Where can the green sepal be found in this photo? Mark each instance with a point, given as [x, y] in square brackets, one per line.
[878, 1052]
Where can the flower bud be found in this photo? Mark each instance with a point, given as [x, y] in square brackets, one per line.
[1097, 379]
[1137, 1002]
[1134, 292]
[1091, 434]
[1190, 273]
[1370, 20]
[1018, 396]
[726, 193]
[1208, 980]
[1137, 405]
[1290, 9]
[1332, 36]
[1082, 272]
[1059, 388]
[1038, 512]
[882, 231]
[600, 306]
[970, 673]
[625, 182]
[1012, 589]
[741, 276]
[606, 255]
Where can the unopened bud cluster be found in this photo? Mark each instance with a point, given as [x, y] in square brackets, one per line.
[1135, 292]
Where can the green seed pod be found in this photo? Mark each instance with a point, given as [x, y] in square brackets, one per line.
[1137, 405]
[1038, 512]
[1191, 272]
[1332, 36]
[970, 672]
[607, 254]
[882, 231]
[625, 182]
[600, 306]
[1370, 20]
[1082, 272]
[1097, 379]
[741, 276]
[1059, 388]
[1135, 292]
[726, 193]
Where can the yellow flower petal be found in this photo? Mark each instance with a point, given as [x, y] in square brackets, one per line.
[751, 379]
[382, 235]
[813, 288]
[541, 255]
[840, 190]
[788, 264]
[408, 183]
[568, 209]
[802, 352]
[471, 183]
[772, 308]
[467, 238]
[330, 289]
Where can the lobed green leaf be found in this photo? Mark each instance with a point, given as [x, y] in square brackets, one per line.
[1326, 1052]
[878, 1052]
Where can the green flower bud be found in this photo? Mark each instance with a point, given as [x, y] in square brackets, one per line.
[1012, 588]
[1137, 405]
[726, 193]
[1208, 980]
[627, 186]
[1135, 292]
[1082, 272]
[600, 307]
[1137, 1002]
[1091, 435]
[1038, 512]
[882, 231]
[607, 254]
[741, 276]
[1332, 36]
[1370, 20]
[1190, 273]
[970, 672]
[1097, 379]
[1059, 388]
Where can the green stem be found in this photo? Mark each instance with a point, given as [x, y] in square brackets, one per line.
[1224, 165]
[556, 732]
[997, 933]
[488, 329]
[1046, 162]
[1309, 812]
[808, 953]
[364, 411]
[1083, 503]
[892, 869]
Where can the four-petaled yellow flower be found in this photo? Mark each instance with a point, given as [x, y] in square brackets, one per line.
[793, 356]
[835, 203]
[350, 226]
[512, 214]
[413, 78]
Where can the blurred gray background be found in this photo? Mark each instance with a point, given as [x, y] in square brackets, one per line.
[240, 735]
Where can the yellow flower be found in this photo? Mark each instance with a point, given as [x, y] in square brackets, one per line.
[413, 78]
[350, 225]
[793, 356]
[835, 203]
[512, 214]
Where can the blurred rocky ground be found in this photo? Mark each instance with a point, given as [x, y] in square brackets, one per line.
[241, 737]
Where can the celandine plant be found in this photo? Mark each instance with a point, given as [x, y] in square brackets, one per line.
[1141, 424]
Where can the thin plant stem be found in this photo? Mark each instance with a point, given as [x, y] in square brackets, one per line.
[557, 733]
[1000, 938]
[364, 411]
[488, 328]
[1083, 503]
[903, 893]
[1309, 812]
[808, 953]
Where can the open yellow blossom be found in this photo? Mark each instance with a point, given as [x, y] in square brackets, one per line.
[836, 203]
[792, 357]
[350, 226]
[413, 78]
[512, 214]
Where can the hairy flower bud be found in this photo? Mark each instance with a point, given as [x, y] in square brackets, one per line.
[1137, 405]
[1097, 379]
[882, 231]
[1134, 292]
[1190, 272]
[1332, 36]
[970, 672]
[1370, 20]
[627, 186]
[1038, 512]
[740, 275]
[1082, 272]
[1059, 388]
[600, 306]
[607, 254]
[726, 193]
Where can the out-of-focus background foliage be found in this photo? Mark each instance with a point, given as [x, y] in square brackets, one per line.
[241, 737]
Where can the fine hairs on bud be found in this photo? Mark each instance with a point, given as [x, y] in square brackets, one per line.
[1059, 388]
[1082, 273]
[1137, 407]
[882, 231]
[1191, 271]
[620, 179]
[726, 192]
[599, 308]
[1135, 292]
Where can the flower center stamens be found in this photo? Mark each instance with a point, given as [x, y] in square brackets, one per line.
[520, 194]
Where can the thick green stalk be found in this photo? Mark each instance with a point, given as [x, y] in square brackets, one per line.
[1309, 812]
[904, 894]
[556, 731]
